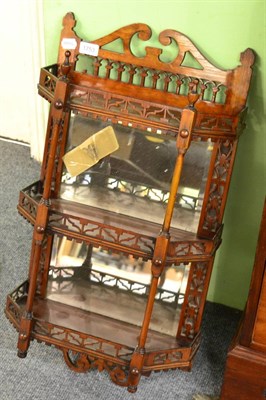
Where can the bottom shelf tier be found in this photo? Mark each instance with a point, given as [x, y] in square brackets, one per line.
[89, 340]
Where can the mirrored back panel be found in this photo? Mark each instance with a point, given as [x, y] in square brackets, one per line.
[135, 179]
[95, 280]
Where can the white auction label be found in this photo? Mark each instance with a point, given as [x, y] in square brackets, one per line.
[69, 43]
[90, 49]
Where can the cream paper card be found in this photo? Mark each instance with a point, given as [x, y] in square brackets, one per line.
[88, 153]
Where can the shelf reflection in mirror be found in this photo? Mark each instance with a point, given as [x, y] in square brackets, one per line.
[114, 285]
[135, 179]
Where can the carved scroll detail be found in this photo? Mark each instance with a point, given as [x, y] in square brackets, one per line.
[217, 189]
[80, 362]
[137, 113]
[172, 357]
[189, 248]
[13, 310]
[166, 37]
[167, 357]
[193, 299]
[43, 257]
[83, 341]
[152, 57]
[101, 232]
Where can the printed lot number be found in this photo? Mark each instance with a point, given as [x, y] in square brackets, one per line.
[90, 49]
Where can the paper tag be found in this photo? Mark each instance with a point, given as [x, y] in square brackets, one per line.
[88, 153]
[90, 49]
[69, 43]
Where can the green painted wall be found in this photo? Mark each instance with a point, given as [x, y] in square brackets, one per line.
[221, 30]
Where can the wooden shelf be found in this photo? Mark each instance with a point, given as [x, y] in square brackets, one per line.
[118, 232]
[56, 323]
[111, 301]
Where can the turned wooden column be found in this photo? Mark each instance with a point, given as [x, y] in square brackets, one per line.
[43, 210]
[161, 246]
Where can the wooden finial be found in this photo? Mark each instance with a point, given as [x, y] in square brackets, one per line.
[247, 57]
[69, 20]
[193, 94]
[65, 67]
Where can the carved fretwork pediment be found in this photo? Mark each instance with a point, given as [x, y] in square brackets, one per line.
[118, 59]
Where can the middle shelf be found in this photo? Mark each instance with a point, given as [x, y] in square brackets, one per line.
[117, 232]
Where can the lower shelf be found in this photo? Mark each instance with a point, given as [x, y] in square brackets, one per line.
[112, 298]
[100, 341]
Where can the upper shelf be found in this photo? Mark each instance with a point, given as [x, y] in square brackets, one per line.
[113, 82]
